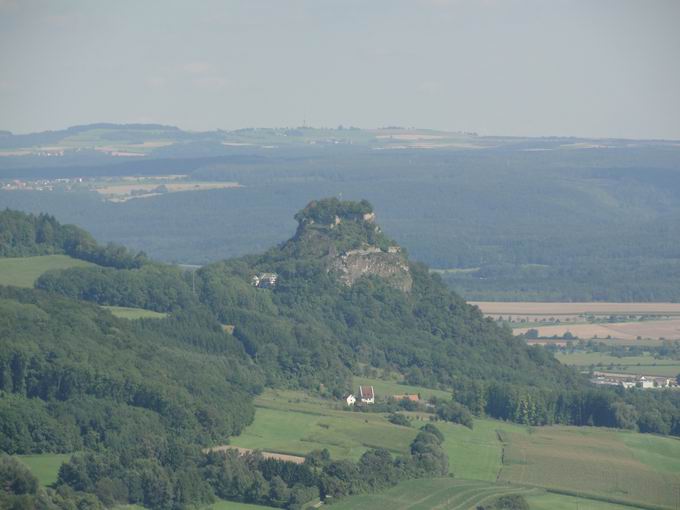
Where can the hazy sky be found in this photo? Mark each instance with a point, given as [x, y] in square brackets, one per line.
[529, 67]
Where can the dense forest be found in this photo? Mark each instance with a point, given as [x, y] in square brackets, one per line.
[559, 223]
[141, 399]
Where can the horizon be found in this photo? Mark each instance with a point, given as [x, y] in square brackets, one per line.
[143, 125]
[523, 68]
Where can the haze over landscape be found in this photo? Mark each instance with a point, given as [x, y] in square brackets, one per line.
[517, 67]
[369, 255]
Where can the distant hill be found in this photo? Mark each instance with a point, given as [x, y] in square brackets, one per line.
[503, 218]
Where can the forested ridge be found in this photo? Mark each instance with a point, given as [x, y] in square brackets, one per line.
[141, 399]
[522, 219]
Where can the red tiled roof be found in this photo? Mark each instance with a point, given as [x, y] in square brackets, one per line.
[366, 392]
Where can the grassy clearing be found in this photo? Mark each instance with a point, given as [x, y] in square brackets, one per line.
[24, 271]
[441, 493]
[125, 312]
[617, 465]
[384, 389]
[294, 423]
[644, 365]
[45, 466]
[290, 422]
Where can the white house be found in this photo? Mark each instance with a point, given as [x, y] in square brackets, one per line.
[351, 399]
[367, 394]
[646, 383]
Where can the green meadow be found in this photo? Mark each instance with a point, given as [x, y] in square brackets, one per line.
[614, 465]
[440, 493]
[125, 312]
[387, 388]
[24, 271]
[552, 501]
[45, 466]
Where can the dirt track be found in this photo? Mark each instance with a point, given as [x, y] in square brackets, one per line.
[267, 455]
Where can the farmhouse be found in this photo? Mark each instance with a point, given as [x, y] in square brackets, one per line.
[366, 394]
[351, 400]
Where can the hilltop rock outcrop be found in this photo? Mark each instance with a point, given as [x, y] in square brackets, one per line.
[345, 236]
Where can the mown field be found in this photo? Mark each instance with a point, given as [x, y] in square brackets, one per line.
[619, 466]
[24, 271]
[454, 494]
[643, 365]
[440, 493]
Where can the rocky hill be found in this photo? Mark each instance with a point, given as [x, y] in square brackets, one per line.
[346, 238]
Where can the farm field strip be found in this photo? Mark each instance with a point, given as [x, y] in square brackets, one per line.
[638, 365]
[657, 329]
[575, 309]
[552, 501]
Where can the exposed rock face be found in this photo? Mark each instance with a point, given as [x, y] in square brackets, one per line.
[345, 236]
[390, 265]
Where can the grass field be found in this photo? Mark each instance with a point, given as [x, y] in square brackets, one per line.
[45, 466]
[440, 493]
[24, 271]
[643, 365]
[595, 468]
[621, 466]
[134, 313]
[386, 388]
[290, 422]
[550, 501]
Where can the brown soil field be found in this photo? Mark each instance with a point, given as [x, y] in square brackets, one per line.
[655, 330]
[524, 308]
[267, 455]
[122, 192]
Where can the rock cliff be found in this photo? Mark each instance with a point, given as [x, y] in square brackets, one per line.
[345, 236]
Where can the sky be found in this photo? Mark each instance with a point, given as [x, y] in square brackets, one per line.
[592, 68]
